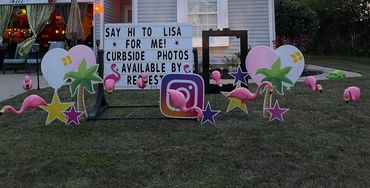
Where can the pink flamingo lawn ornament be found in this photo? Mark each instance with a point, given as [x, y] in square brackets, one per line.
[216, 76]
[31, 102]
[351, 94]
[141, 83]
[179, 101]
[27, 83]
[245, 95]
[311, 82]
[111, 80]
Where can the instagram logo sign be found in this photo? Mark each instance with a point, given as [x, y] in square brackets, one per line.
[191, 85]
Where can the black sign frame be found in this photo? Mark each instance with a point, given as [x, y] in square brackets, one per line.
[243, 35]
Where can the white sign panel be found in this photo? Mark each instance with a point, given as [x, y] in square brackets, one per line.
[153, 49]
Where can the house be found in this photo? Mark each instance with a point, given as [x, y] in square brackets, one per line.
[256, 16]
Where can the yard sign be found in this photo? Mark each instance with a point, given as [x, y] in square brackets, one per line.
[155, 49]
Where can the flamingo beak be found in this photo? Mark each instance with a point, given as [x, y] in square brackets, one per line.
[271, 91]
[346, 99]
[319, 87]
[2, 111]
[110, 91]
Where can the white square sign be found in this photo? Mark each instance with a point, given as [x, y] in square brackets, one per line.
[154, 49]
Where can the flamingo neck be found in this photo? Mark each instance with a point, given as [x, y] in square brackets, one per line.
[259, 88]
[118, 76]
[197, 109]
[13, 110]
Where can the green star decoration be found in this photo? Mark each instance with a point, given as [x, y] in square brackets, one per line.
[276, 75]
[84, 77]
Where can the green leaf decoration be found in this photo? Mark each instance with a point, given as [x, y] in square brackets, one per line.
[263, 71]
[85, 77]
[276, 76]
[73, 87]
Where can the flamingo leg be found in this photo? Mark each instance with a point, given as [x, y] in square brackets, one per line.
[267, 103]
[142, 92]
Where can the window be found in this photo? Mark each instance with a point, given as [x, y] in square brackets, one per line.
[204, 15]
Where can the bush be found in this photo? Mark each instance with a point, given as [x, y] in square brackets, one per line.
[295, 24]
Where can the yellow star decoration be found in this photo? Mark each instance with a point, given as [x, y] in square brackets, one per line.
[235, 103]
[297, 57]
[55, 109]
[66, 60]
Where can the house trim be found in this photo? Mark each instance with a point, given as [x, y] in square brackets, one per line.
[102, 25]
[135, 18]
[272, 31]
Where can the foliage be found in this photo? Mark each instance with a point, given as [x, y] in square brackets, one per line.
[84, 77]
[344, 26]
[233, 61]
[295, 24]
[276, 75]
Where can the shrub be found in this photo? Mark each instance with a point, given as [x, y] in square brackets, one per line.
[295, 24]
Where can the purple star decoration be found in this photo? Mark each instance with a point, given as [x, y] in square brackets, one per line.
[239, 76]
[72, 116]
[276, 113]
[209, 115]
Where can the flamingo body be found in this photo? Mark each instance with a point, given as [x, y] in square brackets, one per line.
[141, 82]
[179, 101]
[109, 85]
[245, 95]
[352, 94]
[111, 80]
[31, 102]
[216, 76]
[311, 82]
[27, 83]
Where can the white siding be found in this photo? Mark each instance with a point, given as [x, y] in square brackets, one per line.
[112, 11]
[112, 14]
[251, 15]
[157, 11]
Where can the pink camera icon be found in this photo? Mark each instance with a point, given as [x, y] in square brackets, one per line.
[191, 85]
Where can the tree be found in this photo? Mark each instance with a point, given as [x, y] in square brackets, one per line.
[344, 26]
[295, 24]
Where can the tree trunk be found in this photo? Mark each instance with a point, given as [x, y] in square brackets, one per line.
[81, 101]
[267, 103]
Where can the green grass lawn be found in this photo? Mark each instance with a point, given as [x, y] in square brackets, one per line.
[322, 143]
